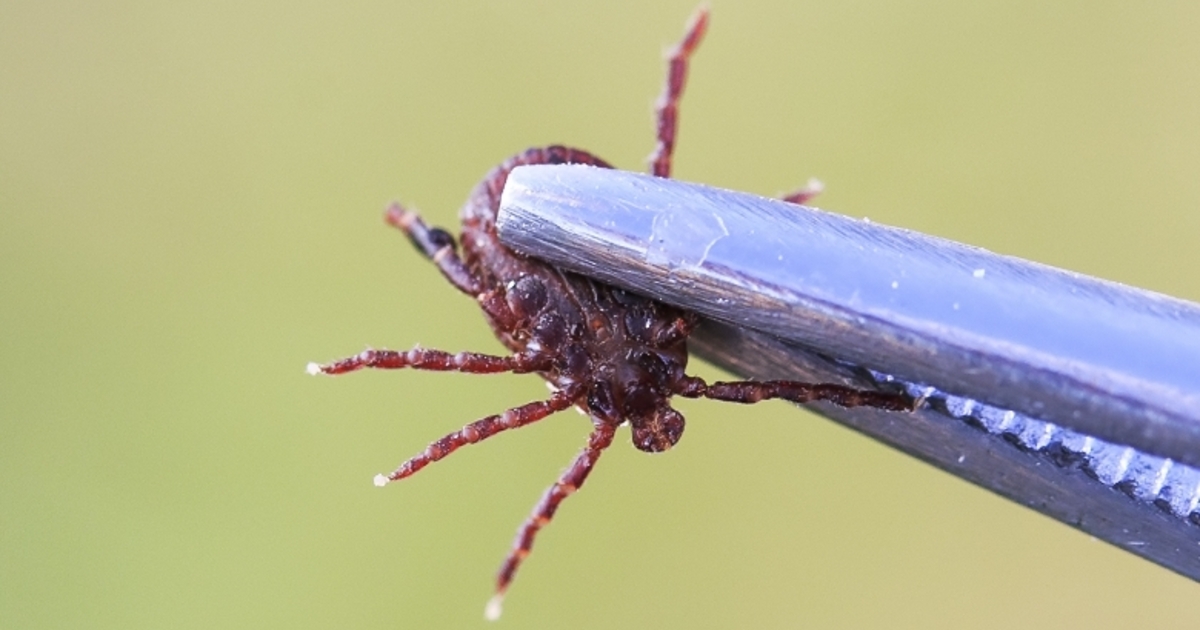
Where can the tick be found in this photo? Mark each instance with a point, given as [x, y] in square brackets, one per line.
[616, 356]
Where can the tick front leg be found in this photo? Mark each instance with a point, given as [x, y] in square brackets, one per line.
[436, 360]
[567, 484]
[481, 430]
[676, 331]
[437, 245]
[755, 391]
[667, 108]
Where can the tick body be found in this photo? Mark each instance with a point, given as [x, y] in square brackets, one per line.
[616, 356]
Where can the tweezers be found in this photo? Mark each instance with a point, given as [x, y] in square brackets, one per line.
[1071, 395]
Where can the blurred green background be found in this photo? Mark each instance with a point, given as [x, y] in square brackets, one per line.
[190, 210]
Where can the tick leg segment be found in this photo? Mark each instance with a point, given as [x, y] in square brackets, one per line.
[667, 108]
[755, 391]
[481, 430]
[813, 188]
[436, 360]
[567, 484]
[677, 331]
[437, 245]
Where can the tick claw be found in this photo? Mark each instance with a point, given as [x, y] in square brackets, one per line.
[920, 400]
[494, 608]
[313, 369]
[381, 480]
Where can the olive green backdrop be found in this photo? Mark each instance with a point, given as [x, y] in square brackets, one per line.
[190, 210]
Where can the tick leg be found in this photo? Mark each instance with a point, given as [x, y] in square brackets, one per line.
[677, 331]
[437, 245]
[667, 108]
[437, 360]
[481, 430]
[567, 484]
[810, 190]
[755, 391]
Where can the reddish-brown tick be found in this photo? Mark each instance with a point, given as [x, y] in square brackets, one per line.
[616, 356]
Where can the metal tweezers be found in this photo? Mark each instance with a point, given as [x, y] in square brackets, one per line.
[1074, 396]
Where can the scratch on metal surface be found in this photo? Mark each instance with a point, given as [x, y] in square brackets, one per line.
[682, 238]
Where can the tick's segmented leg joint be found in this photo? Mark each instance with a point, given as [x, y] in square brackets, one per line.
[570, 481]
[813, 188]
[749, 392]
[667, 108]
[478, 431]
[436, 244]
[436, 360]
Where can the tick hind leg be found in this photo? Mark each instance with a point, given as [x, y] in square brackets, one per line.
[667, 108]
[755, 391]
[437, 245]
[567, 484]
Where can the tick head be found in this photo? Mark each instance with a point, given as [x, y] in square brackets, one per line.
[637, 389]
[658, 431]
[644, 380]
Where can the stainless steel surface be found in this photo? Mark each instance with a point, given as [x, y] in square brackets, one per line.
[1136, 501]
[1071, 395]
[1112, 361]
